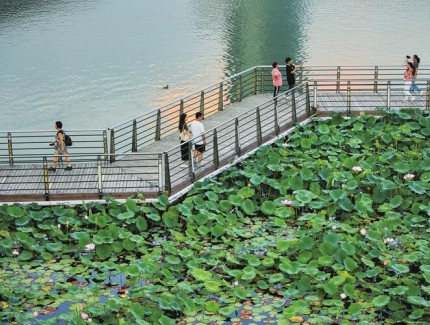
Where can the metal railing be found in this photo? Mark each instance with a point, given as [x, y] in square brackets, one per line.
[98, 173]
[15, 144]
[92, 177]
[140, 131]
[238, 136]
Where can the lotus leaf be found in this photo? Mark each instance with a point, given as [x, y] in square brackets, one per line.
[380, 301]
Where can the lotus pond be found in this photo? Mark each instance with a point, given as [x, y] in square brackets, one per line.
[328, 226]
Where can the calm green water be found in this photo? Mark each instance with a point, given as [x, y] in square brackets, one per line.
[93, 63]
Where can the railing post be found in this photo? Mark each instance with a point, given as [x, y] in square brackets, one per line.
[348, 98]
[428, 95]
[202, 103]
[10, 148]
[262, 80]
[275, 116]
[134, 137]
[45, 179]
[181, 107]
[239, 96]
[308, 101]
[389, 95]
[112, 145]
[191, 160]
[255, 81]
[315, 105]
[293, 106]
[105, 145]
[168, 185]
[237, 137]
[99, 177]
[375, 82]
[338, 79]
[215, 149]
[221, 97]
[158, 126]
[160, 173]
[259, 131]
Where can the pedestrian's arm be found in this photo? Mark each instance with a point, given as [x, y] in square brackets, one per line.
[204, 138]
[61, 139]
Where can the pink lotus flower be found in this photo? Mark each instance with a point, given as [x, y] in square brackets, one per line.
[90, 247]
[357, 169]
[59, 226]
[409, 177]
[35, 313]
[84, 316]
[333, 227]
[343, 295]
[15, 252]
[385, 263]
[363, 231]
[86, 217]
[388, 240]
[288, 202]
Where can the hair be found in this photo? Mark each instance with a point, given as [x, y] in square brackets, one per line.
[411, 65]
[198, 114]
[287, 60]
[182, 121]
[274, 64]
[59, 124]
[417, 58]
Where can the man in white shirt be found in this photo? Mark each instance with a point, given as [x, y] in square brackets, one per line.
[198, 131]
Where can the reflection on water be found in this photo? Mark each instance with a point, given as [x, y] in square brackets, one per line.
[95, 63]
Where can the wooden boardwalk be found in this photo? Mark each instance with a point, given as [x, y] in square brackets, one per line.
[145, 171]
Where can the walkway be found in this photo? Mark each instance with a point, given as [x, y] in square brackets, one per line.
[156, 167]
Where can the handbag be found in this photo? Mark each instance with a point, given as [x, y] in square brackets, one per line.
[184, 135]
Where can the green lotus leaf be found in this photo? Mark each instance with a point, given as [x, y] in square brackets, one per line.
[256, 180]
[306, 243]
[417, 300]
[167, 274]
[25, 256]
[99, 219]
[212, 196]
[304, 196]
[213, 286]
[170, 219]
[346, 204]
[141, 223]
[290, 268]
[6, 244]
[417, 313]
[275, 278]
[164, 320]
[225, 206]
[355, 308]
[401, 268]
[338, 194]
[268, 208]
[125, 215]
[227, 311]
[350, 264]
[79, 234]
[201, 274]
[54, 247]
[240, 293]
[137, 310]
[401, 167]
[326, 260]
[295, 183]
[39, 215]
[16, 211]
[217, 230]
[25, 239]
[399, 290]
[163, 200]
[173, 259]
[307, 174]
[131, 206]
[184, 210]
[268, 262]
[103, 251]
[284, 245]
[262, 284]
[417, 188]
[248, 206]
[254, 261]
[330, 288]
[203, 230]
[211, 306]
[306, 143]
[380, 301]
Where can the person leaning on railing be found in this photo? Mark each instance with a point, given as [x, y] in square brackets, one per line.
[60, 148]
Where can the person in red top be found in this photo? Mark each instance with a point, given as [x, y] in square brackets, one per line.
[276, 78]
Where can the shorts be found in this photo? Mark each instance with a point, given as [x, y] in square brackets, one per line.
[200, 148]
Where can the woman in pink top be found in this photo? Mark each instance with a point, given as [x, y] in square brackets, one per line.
[277, 78]
[407, 77]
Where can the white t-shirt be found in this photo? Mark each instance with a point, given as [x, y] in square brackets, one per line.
[197, 129]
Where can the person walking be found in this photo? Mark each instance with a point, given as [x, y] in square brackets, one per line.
[60, 148]
[291, 72]
[199, 138]
[414, 88]
[276, 78]
[184, 136]
[407, 77]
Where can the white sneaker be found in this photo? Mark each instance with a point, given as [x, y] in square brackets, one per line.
[183, 165]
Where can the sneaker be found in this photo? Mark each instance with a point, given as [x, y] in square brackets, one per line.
[183, 165]
[68, 168]
[52, 169]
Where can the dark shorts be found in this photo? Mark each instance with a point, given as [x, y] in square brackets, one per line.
[200, 148]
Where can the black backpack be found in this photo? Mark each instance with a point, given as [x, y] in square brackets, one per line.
[68, 140]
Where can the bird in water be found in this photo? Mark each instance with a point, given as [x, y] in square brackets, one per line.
[166, 87]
